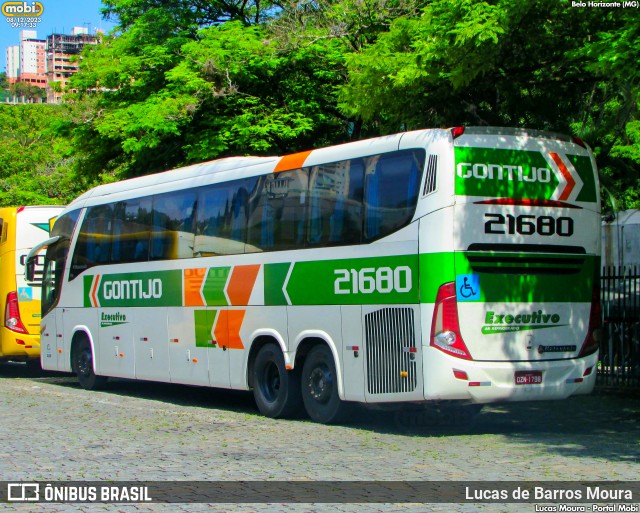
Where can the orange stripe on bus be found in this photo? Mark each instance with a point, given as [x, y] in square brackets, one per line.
[193, 279]
[94, 290]
[571, 183]
[227, 329]
[241, 283]
[235, 323]
[293, 161]
[221, 329]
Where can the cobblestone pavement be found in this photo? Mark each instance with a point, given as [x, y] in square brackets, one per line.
[51, 429]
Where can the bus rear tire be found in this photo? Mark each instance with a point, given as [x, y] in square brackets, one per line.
[320, 387]
[276, 390]
[83, 367]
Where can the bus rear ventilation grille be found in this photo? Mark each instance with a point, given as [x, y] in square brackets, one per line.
[430, 175]
[390, 334]
[526, 259]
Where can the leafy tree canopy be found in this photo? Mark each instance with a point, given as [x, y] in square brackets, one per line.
[181, 81]
[36, 160]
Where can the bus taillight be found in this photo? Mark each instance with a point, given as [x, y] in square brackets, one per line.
[12, 314]
[579, 141]
[594, 331]
[445, 327]
[457, 131]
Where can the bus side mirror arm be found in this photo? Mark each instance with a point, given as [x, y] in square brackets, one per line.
[30, 265]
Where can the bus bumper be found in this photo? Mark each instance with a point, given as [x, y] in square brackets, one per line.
[17, 346]
[450, 378]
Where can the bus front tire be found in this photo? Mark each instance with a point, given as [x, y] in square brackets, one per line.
[83, 367]
[320, 387]
[276, 390]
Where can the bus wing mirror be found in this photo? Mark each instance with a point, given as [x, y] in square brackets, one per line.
[30, 265]
[30, 269]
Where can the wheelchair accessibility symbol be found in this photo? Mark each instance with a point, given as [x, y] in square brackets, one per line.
[468, 287]
[25, 294]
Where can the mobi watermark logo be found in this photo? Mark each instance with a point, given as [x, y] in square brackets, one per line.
[22, 9]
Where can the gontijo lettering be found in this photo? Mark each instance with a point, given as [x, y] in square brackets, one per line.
[22, 9]
[505, 172]
[133, 289]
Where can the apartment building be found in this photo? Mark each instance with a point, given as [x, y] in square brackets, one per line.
[49, 63]
[32, 59]
[62, 62]
[13, 64]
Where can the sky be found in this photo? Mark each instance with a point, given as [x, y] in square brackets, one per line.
[59, 16]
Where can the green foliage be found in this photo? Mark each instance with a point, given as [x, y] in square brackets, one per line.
[162, 97]
[535, 63]
[183, 81]
[28, 91]
[35, 159]
[255, 98]
[612, 119]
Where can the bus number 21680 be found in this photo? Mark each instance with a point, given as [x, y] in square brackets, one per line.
[528, 225]
[368, 280]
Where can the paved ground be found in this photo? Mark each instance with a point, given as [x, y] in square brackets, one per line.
[51, 429]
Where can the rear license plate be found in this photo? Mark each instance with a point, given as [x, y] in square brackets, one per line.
[528, 377]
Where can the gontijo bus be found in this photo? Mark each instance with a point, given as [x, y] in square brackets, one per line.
[435, 265]
[21, 228]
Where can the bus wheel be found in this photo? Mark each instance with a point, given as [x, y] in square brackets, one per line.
[83, 367]
[320, 387]
[276, 390]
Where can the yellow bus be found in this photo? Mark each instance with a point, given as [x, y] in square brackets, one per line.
[21, 228]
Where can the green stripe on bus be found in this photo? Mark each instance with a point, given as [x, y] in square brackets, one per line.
[204, 321]
[87, 281]
[157, 288]
[435, 269]
[274, 277]
[502, 173]
[585, 170]
[502, 285]
[554, 283]
[354, 281]
[213, 288]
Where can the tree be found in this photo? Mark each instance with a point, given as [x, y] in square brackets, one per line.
[612, 119]
[27, 91]
[536, 63]
[163, 94]
[35, 157]
[182, 81]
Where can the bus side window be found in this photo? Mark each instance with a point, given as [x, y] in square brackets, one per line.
[93, 246]
[3, 231]
[335, 210]
[131, 231]
[172, 234]
[278, 218]
[221, 226]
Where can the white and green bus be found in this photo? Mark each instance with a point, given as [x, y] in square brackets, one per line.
[437, 265]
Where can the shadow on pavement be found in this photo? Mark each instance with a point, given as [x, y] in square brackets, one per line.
[601, 425]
